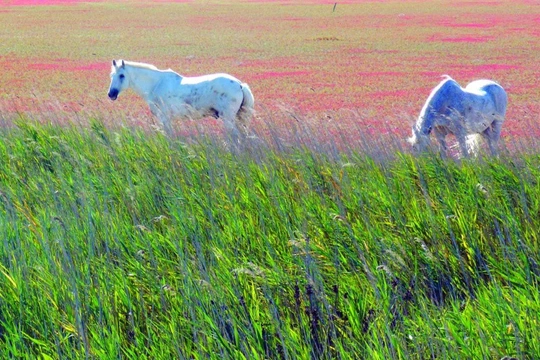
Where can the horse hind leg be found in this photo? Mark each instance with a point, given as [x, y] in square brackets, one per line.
[231, 129]
[235, 124]
[235, 137]
[492, 135]
[228, 112]
[242, 125]
[243, 118]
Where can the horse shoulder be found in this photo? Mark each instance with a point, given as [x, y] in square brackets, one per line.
[170, 88]
[168, 81]
[452, 89]
[447, 96]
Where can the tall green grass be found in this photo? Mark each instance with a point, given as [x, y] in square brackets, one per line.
[124, 244]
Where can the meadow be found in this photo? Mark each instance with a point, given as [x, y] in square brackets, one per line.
[376, 60]
[325, 239]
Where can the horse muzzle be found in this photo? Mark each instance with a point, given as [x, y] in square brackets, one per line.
[113, 94]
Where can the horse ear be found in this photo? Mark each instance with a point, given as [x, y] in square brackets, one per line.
[123, 64]
[114, 62]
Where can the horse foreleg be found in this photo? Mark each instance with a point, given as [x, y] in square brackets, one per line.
[462, 143]
[441, 139]
[163, 119]
[461, 136]
[167, 126]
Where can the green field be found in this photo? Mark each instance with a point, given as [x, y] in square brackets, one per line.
[322, 239]
[120, 244]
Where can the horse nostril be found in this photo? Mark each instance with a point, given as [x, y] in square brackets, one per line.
[113, 94]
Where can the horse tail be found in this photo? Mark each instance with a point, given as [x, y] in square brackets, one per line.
[249, 100]
[500, 98]
[247, 107]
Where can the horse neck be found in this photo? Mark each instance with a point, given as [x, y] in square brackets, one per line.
[426, 119]
[143, 81]
[428, 115]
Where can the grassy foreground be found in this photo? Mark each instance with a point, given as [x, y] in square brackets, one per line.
[120, 244]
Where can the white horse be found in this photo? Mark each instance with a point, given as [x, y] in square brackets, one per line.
[476, 111]
[171, 95]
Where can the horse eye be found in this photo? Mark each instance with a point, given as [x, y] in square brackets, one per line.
[122, 76]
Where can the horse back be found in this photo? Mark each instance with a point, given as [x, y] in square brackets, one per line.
[223, 85]
[218, 79]
[493, 91]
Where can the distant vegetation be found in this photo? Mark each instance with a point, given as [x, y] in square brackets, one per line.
[378, 58]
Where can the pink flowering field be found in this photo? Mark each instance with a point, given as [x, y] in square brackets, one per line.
[371, 63]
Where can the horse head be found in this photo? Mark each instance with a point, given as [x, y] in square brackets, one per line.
[419, 140]
[119, 79]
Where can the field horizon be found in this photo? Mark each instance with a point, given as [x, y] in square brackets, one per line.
[378, 60]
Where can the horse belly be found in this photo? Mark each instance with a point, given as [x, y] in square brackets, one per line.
[480, 115]
[478, 122]
[178, 110]
[217, 98]
[180, 103]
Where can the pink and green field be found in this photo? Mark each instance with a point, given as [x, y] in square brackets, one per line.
[361, 63]
[117, 242]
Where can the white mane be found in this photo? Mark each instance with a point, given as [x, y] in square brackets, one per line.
[137, 65]
[140, 65]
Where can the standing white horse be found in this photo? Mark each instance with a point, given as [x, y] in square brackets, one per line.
[476, 111]
[171, 95]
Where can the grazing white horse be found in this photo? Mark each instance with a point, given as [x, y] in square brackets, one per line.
[171, 95]
[476, 111]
